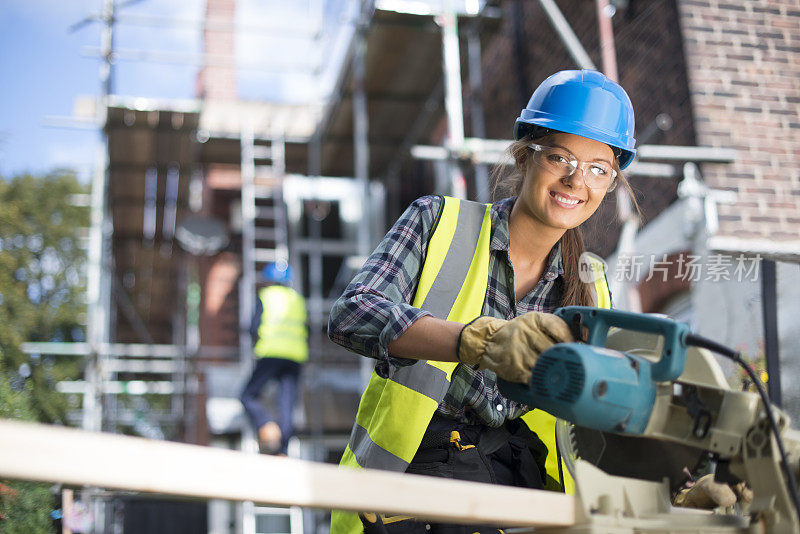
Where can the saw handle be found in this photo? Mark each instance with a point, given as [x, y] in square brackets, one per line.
[599, 321]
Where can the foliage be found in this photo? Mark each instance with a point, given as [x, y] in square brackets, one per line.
[41, 299]
[41, 281]
[24, 506]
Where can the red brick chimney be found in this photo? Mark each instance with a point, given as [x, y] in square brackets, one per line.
[217, 78]
[216, 83]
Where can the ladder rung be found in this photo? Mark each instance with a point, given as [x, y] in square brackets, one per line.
[264, 171]
[272, 510]
[264, 254]
[264, 191]
[266, 212]
[268, 233]
[262, 152]
[265, 175]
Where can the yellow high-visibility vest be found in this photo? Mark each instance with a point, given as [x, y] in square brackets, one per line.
[394, 411]
[282, 332]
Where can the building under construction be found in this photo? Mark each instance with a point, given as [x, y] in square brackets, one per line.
[196, 196]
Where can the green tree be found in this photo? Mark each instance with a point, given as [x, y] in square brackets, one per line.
[41, 281]
[24, 506]
[41, 299]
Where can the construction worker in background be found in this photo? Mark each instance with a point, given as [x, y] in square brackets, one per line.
[281, 347]
[458, 293]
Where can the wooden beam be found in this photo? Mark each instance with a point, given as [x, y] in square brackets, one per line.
[31, 451]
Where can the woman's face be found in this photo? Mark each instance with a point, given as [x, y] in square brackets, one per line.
[564, 202]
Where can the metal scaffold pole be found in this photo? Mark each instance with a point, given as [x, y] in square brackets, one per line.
[361, 149]
[476, 106]
[246, 295]
[769, 309]
[98, 279]
[454, 107]
[97, 275]
[361, 131]
[247, 287]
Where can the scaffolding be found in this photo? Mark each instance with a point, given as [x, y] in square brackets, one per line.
[159, 160]
[272, 174]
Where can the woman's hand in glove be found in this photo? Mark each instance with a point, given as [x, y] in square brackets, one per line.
[708, 494]
[510, 348]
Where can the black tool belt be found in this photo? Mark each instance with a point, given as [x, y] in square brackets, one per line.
[451, 450]
[511, 455]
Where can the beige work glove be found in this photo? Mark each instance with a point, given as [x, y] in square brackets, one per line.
[510, 348]
[707, 494]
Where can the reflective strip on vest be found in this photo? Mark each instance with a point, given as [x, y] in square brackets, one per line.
[441, 295]
[601, 294]
[282, 331]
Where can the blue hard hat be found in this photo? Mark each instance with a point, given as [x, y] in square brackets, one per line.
[585, 103]
[277, 272]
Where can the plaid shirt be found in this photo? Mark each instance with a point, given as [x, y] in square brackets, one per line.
[375, 308]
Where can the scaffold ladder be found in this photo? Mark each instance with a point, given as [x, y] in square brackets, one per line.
[264, 240]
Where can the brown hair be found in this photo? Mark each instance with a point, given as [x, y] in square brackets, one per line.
[505, 183]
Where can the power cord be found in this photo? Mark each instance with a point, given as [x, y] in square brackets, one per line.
[700, 341]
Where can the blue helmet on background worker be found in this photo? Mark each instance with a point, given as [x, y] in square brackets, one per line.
[277, 273]
[585, 103]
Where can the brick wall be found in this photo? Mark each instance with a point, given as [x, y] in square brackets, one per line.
[743, 59]
[217, 81]
[219, 315]
[219, 274]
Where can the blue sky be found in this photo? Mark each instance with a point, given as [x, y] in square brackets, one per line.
[42, 71]
[43, 67]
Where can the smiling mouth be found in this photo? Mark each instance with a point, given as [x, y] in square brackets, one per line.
[564, 201]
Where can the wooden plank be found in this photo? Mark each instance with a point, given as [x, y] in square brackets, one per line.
[31, 451]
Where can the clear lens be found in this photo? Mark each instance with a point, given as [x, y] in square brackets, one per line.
[597, 175]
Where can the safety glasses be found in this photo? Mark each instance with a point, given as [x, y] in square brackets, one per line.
[596, 174]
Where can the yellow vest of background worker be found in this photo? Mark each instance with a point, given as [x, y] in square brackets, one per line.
[394, 412]
[282, 330]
